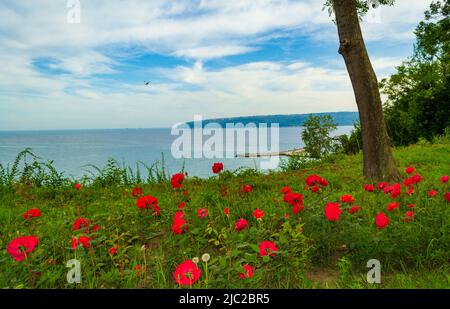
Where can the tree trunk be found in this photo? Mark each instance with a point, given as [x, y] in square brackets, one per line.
[377, 155]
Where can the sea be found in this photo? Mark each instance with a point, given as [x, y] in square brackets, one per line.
[73, 151]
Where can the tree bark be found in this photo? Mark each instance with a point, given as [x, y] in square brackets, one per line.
[377, 155]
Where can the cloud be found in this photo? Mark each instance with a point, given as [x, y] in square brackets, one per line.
[60, 75]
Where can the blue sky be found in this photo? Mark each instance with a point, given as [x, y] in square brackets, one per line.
[210, 57]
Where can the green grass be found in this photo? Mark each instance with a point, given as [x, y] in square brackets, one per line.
[313, 252]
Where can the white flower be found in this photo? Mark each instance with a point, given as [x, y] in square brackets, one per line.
[195, 260]
[205, 257]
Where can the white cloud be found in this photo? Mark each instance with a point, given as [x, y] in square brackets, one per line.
[197, 30]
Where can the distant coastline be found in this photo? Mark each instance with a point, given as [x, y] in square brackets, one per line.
[293, 120]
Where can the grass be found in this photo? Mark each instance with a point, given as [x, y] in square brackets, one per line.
[312, 252]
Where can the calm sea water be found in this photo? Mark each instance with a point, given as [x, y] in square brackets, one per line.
[71, 150]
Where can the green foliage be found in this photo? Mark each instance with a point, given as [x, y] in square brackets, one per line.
[418, 94]
[350, 144]
[362, 6]
[316, 136]
[413, 254]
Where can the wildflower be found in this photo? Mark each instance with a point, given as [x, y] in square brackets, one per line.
[267, 248]
[77, 186]
[369, 188]
[20, 246]
[206, 257]
[332, 211]
[409, 215]
[444, 179]
[195, 260]
[137, 269]
[286, 190]
[447, 196]
[241, 224]
[136, 192]
[81, 223]
[381, 220]
[247, 188]
[382, 185]
[181, 205]
[313, 180]
[113, 249]
[179, 223]
[217, 167]
[258, 214]
[354, 209]
[187, 273]
[347, 198]
[409, 170]
[248, 271]
[295, 200]
[177, 181]
[226, 211]
[145, 201]
[411, 205]
[432, 193]
[32, 213]
[202, 213]
[392, 206]
[82, 240]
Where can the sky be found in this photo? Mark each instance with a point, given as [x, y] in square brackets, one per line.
[67, 64]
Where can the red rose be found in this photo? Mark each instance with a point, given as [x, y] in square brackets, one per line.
[369, 188]
[217, 167]
[19, 247]
[32, 213]
[409, 170]
[202, 213]
[355, 208]
[444, 179]
[248, 271]
[177, 180]
[246, 188]
[432, 193]
[381, 220]
[267, 248]
[392, 206]
[332, 212]
[187, 273]
[347, 198]
[179, 223]
[136, 192]
[241, 224]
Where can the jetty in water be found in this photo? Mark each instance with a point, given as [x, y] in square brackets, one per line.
[286, 153]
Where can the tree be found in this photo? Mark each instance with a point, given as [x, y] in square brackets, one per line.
[377, 155]
[316, 135]
[418, 93]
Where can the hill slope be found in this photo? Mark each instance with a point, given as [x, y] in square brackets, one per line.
[341, 118]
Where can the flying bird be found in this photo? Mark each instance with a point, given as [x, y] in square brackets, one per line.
[146, 83]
